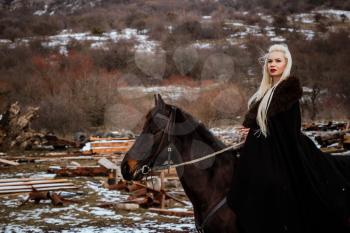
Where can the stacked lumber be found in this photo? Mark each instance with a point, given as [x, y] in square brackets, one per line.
[109, 145]
[20, 185]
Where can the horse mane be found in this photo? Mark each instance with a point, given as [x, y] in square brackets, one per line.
[202, 130]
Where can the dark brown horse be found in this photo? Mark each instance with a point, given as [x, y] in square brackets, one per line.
[170, 134]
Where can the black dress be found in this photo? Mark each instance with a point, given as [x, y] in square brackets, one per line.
[284, 183]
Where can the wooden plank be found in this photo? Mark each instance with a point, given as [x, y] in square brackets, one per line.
[107, 163]
[5, 161]
[25, 179]
[33, 182]
[172, 212]
[65, 158]
[109, 150]
[15, 191]
[108, 139]
[111, 144]
[19, 191]
[35, 186]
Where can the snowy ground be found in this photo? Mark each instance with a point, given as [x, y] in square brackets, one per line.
[87, 216]
[81, 217]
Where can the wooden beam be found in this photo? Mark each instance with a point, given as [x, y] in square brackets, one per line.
[37, 186]
[25, 179]
[108, 139]
[172, 212]
[19, 191]
[33, 182]
[8, 162]
[108, 150]
[112, 144]
[107, 163]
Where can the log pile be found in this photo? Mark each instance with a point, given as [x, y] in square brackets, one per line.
[332, 137]
[325, 127]
[142, 195]
[16, 133]
[146, 195]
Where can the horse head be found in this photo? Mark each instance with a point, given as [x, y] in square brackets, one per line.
[164, 123]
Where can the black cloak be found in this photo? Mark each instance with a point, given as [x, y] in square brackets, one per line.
[284, 183]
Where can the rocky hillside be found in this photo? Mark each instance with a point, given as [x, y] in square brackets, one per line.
[51, 7]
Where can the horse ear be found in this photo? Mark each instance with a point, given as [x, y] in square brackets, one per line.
[161, 101]
[155, 100]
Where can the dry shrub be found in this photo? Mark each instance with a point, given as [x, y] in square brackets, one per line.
[117, 57]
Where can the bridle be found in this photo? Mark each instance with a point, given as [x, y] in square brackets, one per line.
[169, 130]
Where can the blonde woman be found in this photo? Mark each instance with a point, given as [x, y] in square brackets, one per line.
[283, 182]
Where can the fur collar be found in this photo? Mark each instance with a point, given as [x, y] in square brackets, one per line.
[286, 94]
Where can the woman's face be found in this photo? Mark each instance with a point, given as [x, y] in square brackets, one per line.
[276, 63]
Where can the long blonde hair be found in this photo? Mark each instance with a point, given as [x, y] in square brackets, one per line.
[266, 89]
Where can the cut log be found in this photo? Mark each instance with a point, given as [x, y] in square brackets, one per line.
[121, 206]
[81, 171]
[172, 212]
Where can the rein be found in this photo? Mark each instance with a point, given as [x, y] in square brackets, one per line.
[235, 146]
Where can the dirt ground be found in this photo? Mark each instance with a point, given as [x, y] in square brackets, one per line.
[85, 216]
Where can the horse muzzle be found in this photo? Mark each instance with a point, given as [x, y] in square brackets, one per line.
[132, 170]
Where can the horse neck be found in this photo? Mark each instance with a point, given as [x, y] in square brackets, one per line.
[205, 187]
